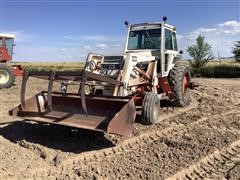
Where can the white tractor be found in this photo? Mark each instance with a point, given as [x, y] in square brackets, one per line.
[111, 87]
[151, 65]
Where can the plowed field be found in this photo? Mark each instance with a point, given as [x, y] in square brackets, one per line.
[199, 141]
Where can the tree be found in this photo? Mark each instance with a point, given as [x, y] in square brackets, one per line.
[201, 52]
[236, 51]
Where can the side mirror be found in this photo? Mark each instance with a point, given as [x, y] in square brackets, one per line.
[181, 51]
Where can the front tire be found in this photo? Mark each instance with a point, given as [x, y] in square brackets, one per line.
[150, 108]
[6, 77]
[179, 80]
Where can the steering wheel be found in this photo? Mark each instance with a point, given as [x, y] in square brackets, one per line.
[148, 45]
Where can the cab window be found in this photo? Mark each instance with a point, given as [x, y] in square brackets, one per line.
[9, 45]
[175, 41]
[168, 40]
[144, 39]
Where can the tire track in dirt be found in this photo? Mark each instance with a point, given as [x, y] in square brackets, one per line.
[216, 165]
[223, 92]
[202, 105]
[142, 139]
[126, 145]
[135, 142]
[178, 111]
[222, 89]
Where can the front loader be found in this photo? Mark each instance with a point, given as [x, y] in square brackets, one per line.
[111, 87]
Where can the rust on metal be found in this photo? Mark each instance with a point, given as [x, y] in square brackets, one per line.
[83, 97]
[164, 84]
[111, 114]
[17, 70]
[105, 113]
[50, 87]
[23, 87]
[143, 73]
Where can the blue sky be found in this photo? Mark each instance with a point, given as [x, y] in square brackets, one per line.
[61, 30]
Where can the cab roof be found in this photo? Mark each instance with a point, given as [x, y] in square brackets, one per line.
[149, 25]
[7, 35]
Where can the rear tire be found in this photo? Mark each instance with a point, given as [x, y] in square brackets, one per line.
[150, 108]
[179, 80]
[6, 77]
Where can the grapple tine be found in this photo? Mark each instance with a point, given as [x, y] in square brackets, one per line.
[50, 87]
[23, 88]
[83, 97]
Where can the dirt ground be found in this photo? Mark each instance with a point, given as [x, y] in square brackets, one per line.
[200, 141]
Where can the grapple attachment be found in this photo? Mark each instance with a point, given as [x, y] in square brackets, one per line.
[109, 114]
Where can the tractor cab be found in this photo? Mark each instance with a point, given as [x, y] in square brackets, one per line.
[154, 40]
[6, 47]
[150, 36]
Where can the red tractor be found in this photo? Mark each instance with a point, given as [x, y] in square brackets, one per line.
[8, 71]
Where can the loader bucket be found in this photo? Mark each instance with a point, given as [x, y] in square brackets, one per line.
[104, 113]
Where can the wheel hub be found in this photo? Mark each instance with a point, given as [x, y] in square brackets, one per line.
[4, 76]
